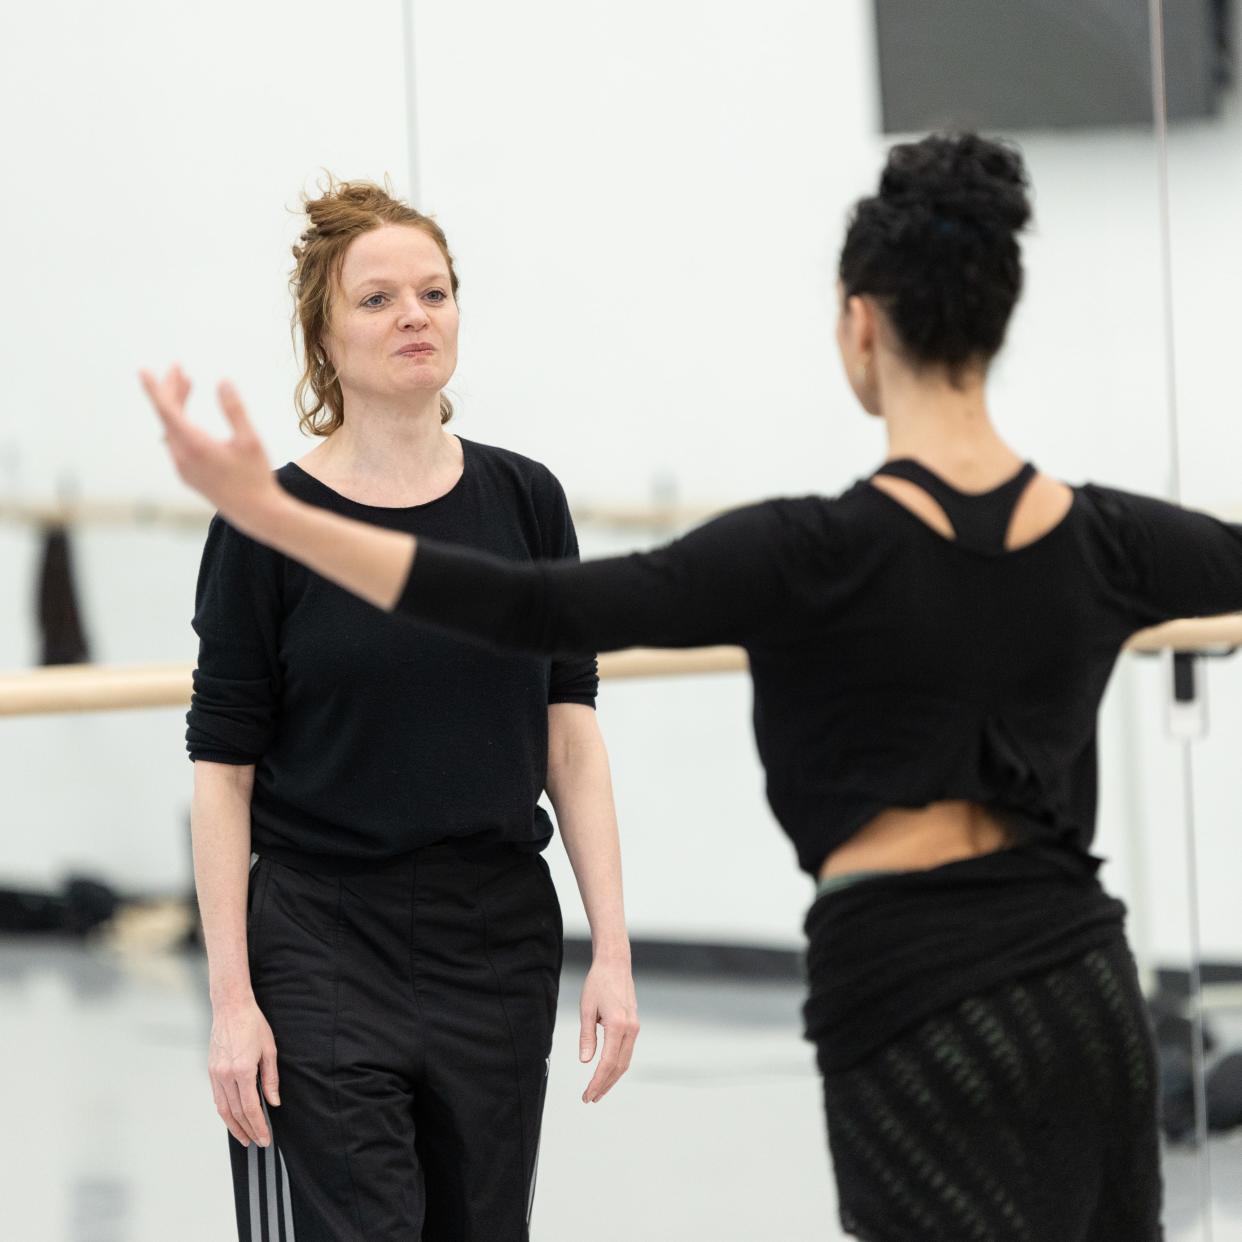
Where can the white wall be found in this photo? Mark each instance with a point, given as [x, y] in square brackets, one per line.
[152, 153]
[645, 202]
[151, 185]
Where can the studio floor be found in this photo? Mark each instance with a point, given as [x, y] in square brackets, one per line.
[716, 1133]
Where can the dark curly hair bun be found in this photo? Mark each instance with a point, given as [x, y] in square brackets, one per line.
[938, 248]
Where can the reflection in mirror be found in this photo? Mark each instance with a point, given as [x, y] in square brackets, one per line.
[1089, 69]
[1202, 193]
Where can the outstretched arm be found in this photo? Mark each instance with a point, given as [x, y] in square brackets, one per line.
[725, 582]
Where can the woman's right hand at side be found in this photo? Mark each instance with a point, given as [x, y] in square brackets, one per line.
[243, 1052]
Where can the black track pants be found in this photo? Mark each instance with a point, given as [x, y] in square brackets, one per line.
[412, 1008]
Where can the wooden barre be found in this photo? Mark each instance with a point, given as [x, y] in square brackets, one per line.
[1204, 634]
[126, 513]
[193, 517]
[102, 688]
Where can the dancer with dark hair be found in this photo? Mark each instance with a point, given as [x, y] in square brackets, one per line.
[929, 650]
[389, 969]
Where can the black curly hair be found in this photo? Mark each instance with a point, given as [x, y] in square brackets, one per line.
[937, 247]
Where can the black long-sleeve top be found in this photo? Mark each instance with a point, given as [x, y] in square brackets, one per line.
[369, 741]
[891, 666]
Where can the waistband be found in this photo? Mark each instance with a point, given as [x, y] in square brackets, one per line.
[836, 883]
[884, 954]
[450, 849]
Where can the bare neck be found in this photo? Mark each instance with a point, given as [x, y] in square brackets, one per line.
[394, 455]
[946, 428]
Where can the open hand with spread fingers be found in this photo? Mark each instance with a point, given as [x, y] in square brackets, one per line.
[234, 474]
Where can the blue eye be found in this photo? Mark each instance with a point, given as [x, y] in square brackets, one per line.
[371, 300]
[438, 294]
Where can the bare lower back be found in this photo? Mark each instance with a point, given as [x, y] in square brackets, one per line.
[902, 839]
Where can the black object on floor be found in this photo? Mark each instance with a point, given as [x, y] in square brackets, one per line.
[79, 908]
[1177, 1093]
[1224, 1093]
[1174, 1034]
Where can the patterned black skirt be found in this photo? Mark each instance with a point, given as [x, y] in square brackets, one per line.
[1020, 1109]
[1026, 1113]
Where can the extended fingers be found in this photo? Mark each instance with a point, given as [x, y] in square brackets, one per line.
[232, 1095]
[174, 386]
[155, 395]
[168, 398]
[226, 1114]
[237, 1102]
[233, 409]
[252, 1108]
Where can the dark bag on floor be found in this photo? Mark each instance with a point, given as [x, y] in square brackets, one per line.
[1224, 1093]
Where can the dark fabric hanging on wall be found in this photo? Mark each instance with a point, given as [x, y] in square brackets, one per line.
[60, 620]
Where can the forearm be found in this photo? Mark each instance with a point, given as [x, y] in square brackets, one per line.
[369, 561]
[580, 788]
[220, 828]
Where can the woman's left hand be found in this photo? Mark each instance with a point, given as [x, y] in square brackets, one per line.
[233, 474]
[608, 1000]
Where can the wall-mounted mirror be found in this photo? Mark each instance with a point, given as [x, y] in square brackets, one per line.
[1201, 184]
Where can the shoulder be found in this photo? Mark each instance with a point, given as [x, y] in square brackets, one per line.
[1117, 502]
[1151, 519]
[505, 463]
[1131, 533]
[514, 479]
[527, 489]
[1127, 516]
[797, 528]
[296, 481]
[824, 521]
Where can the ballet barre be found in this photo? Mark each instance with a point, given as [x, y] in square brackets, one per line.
[191, 517]
[137, 513]
[104, 688]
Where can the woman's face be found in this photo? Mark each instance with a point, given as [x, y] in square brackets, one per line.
[393, 329]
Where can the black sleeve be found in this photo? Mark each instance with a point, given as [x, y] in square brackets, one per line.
[574, 678]
[1177, 562]
[237, 619]
[725, 582]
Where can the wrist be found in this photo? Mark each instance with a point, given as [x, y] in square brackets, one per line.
[613, 950]
[231, 994]
[268, 514]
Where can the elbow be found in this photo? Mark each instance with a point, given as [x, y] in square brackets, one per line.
[231, 779]
[575, 744]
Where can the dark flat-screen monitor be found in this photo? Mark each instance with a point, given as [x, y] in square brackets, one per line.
[1039, 64]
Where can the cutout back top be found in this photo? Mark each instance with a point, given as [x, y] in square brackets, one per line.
[892, 666]
[980, 521]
